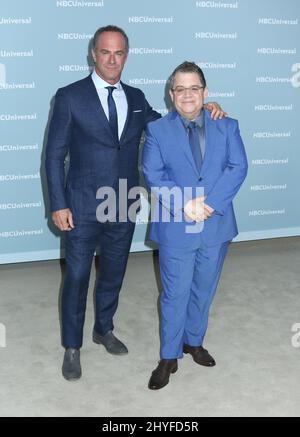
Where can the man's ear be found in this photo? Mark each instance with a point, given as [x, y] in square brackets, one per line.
[93, 55]
[205, 92]
[171, 95]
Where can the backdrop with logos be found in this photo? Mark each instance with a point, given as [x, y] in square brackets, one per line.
[248, 50]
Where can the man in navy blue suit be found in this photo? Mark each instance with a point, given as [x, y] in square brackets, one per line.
[98, 121]
[203, 164]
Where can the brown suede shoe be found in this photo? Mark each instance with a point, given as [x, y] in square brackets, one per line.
[200, 355]
[160, 376]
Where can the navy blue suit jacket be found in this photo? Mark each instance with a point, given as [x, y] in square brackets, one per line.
[168, 162]
[79, 128]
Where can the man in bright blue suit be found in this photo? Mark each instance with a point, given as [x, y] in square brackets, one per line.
[194, 167]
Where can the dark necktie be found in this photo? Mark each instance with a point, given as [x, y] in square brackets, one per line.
[195, 144]
[112, 112]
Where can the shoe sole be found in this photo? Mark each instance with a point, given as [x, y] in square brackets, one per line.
[71, 378]
[112, 353]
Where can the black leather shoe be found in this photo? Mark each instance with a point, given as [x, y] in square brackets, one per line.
[200, 355]
[160, 376]
[71, 368]
[111, 343]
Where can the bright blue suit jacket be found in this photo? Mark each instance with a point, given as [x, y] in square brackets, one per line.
[79, 128]
[168, 161]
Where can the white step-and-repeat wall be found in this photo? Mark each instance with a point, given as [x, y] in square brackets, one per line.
[248, 49]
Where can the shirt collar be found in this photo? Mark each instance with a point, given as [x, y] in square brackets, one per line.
[199, 120]
[100, 83]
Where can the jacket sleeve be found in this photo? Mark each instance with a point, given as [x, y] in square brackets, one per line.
[156, 176]
[233, 175]
[150, 114]
[58, 143]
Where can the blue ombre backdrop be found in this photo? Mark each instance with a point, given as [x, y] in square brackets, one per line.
[249, 51]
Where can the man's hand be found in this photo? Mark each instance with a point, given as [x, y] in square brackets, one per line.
[194, 209]
[208, 211]
[216, 110]
[63, 219]
[197, 210]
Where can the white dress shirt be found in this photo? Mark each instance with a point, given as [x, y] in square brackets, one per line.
[119, 98]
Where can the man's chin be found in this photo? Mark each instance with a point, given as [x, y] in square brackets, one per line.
[191, 115]
[112, 78]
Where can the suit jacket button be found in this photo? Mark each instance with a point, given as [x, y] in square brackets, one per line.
[200, 179]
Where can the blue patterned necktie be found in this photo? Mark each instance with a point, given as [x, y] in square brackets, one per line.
[194, 140]
[112, 112]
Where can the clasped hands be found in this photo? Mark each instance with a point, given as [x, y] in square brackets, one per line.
[197, 210]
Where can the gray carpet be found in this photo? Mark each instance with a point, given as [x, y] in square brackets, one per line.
[257, 371]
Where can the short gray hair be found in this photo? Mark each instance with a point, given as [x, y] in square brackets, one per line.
[110, 28]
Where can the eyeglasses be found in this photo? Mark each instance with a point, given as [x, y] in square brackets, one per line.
[195, 89]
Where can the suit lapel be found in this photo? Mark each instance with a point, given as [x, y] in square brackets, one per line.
[212, 135]
[129, 110]
[96, 107]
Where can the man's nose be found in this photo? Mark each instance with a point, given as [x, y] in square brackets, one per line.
[187, 91]
[112, 59]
